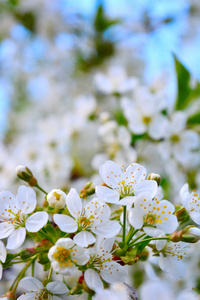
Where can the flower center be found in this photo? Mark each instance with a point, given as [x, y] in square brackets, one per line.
[63, 256]
[17, 219]
[57, 196]
[146, 120]
[175, 138]
[125, 189]
[43, 295]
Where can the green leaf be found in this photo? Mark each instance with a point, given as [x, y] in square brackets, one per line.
[194, 120]
[185, 93]
[183, 85]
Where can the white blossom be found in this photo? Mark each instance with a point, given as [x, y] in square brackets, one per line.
[191, 202]
[123, 185]
[65, 255]
[35, 290]
[56, 199]
[86, 221]
[154, 216]
[14, 213]
[103, 266]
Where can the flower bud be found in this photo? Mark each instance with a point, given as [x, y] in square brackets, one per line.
[182, 214]
[24, 173]
[156, 177]
[87, 190]
[191, 234]
[27, 253]
[56, 199]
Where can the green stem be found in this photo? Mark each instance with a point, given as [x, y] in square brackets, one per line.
[33, 268]
[139, 237]
[124, 226]
[50, 274]
[20, 276]
[41, 189]
[151, 239]
[131, 233]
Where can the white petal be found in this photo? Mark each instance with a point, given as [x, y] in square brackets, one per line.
[6, 199]
[57, 287]
[84, 238]
[126, 200]
[65, 242]
[195, 216]
[146, 186]
[107, 229]
[3, 252]
[74, 203]
[113, 272]
[31, 284]
[185, 195]
[5, 230]
[135, 172]
[98, 209]
[107, 195]
[104, 244]
[153, 231]
[35, 222]
[135, 218]
[160, 244]
[1, 271]
[65, 223]
[16, 239]
[81, 255]
[158, 127]
[179, 120]
[190, 139]
[170, 225]
[93, 280]
[174, 267]
[26, 199]
[111, 173]
[27, 296]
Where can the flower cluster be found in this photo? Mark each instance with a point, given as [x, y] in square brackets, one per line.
[94, 239]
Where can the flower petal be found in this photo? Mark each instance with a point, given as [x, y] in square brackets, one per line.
[174, 267]
[107, 195]
[6, 230]
[6, 199]
[150, 186]
[135, 218]
[16, 239]
[113, 272]
[3, 252]
[27, 296]
[26, 199]
[111, 173]
[65, 223]
[93, 280]
[107, 229]
[31, 284]
[74, 203]
[84, 239]
[57, 287]
[35, 222]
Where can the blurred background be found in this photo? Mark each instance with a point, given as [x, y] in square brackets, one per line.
[67, 68]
